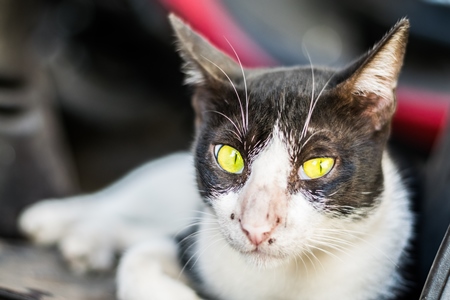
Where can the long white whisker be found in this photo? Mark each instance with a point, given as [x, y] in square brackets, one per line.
[311, 103]
[342, 247]
[245, 84]
[199, 222]
[321, 91]
[205, 249]
[304, 264]
[328, 238]
[196, 233]
[198, 253]
[204, 213]
[316, 258]
[355, 235]
[309, 138]
[326, 251]
[335, 244]
[235, 90]
[239, 133]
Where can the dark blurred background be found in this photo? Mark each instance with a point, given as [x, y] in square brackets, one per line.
[90, 89]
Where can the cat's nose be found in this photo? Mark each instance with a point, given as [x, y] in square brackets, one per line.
[256, 234]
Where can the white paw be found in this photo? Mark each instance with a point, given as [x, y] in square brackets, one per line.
[76, 225]
[46, 222]
[151, 271]
[89, 246]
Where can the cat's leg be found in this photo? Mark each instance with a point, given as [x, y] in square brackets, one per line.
[91, 229]
[83, 234]
[151, 271]
[48, 221]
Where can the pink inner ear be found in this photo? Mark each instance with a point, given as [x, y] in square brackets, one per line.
[376, 108]
[375, 81]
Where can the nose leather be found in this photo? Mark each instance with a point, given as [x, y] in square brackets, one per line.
[257, 234]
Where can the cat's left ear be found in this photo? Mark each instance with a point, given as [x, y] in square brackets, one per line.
[372, 85]
[204, 63]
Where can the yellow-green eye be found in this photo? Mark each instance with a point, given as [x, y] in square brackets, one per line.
[229, 159]
[316, 167]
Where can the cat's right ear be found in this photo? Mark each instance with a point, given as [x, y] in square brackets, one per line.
[204, 63]
[374, 77]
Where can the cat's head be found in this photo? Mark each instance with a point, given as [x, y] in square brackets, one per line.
[286, 155]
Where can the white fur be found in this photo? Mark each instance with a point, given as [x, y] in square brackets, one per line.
[157, 199]
[150, 271]
[160, 197]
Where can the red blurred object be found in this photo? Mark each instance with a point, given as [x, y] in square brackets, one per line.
[212, 19]
[421, 117]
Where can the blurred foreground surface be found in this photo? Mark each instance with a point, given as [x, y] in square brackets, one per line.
[32, 270]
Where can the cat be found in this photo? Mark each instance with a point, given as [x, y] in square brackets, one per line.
[290, 189]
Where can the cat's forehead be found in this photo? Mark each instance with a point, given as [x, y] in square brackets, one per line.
[257, 102]
[287, 97]
[296, 81]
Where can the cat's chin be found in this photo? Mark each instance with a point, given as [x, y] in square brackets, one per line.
[263, 260]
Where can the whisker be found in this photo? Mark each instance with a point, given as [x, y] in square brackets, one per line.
[332, 244]
[245, 84]
[194, 224]
[323, 89]
[309, 138]
[326, 252]
[205, 249]
[309, 252]
[198, 253]
[304, 264]
[204, 213]
[239, 134]
[328, 238]
[334, 193]
[235, 90]
[196, 233]
[354, 234]
[311, 103]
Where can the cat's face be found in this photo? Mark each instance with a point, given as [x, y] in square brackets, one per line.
[288, 157]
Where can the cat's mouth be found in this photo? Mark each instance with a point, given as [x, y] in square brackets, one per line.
[263, 260]
[260, 257]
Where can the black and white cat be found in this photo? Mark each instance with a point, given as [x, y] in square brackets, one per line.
[289, 193]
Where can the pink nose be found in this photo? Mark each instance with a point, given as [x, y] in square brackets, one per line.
[256, 234]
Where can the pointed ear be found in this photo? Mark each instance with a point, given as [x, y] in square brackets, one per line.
[372, 86]
[203, 61]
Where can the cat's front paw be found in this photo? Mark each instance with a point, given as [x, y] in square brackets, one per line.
[46, 222]
[163, 289]
[85, 237]
[89, 246]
